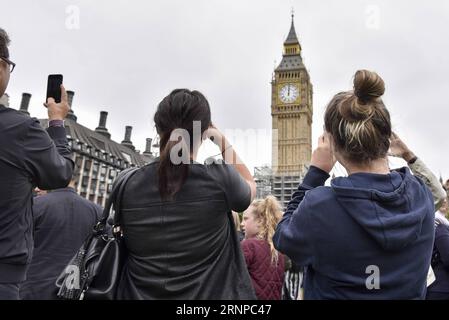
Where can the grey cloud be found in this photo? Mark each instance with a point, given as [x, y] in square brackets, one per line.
[127, 55]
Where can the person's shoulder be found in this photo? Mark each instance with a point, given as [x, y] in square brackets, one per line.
[47, 200]
[249, 245]
[81, 199]
[320, 199]
[18, 118]
[149, 168]
[14, 113]
[138, 176]
[320, 194]
[441, 228]
[218, 169]
[211, 169]
[253, 242]
[134, 174]
[41, 199]
[89, 205]
[412, 179]
[415, 185]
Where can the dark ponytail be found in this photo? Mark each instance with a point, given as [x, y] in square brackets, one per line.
[176, 113]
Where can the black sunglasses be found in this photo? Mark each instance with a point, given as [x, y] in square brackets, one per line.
[11, 64]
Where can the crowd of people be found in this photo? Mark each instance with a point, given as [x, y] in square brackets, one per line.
[196, 231]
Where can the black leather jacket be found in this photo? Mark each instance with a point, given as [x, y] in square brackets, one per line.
[186, 248]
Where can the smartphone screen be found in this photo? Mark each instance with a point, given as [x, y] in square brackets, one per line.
[54, 87]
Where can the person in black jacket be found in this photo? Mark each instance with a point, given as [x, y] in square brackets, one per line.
[62, 221]
[29, 157]
[176, 216]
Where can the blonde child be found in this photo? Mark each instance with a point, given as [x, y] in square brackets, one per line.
[265, 264]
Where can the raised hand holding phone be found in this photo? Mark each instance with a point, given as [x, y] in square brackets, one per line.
[58, 111]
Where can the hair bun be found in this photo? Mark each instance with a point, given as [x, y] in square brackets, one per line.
[368, 85]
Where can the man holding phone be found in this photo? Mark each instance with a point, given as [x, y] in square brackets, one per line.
[29, 156]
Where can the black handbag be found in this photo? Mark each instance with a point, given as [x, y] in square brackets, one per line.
[94, 272]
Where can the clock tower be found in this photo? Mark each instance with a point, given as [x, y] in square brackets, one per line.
[291, 111]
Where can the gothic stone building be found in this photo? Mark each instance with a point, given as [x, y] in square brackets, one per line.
[291, 111]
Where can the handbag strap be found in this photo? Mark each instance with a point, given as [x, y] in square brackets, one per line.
[118, 200]
[116, 193]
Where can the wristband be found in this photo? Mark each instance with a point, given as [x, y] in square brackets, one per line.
[56, 123]
[412, 160]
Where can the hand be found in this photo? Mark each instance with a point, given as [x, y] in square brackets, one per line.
[216, 136]
[399, 149]
[58, 111]
[323, 156]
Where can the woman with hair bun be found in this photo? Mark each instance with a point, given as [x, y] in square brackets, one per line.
[265, 264]
[368, 235]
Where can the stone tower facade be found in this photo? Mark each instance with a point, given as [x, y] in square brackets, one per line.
[291, 111]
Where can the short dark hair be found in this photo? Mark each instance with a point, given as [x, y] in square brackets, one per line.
[4, 43]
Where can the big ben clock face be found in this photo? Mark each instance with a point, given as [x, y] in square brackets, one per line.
[288, 93]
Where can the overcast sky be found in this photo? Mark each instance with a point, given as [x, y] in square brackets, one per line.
[125, 56]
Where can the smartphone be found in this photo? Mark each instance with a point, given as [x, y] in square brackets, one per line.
[54, 87]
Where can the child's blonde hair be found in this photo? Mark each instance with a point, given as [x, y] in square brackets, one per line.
[268, 212]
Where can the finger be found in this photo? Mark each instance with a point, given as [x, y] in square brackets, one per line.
[50, 100]
[390, 154]
[320, 139]
[64, 97]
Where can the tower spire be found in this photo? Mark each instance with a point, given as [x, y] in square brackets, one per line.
[291, 44]
[292, 38]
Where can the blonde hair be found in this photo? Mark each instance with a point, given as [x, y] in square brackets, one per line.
[268, 212]
[236, 217]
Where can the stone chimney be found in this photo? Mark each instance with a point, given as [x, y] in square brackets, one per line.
[25, 103]
[127, 142]
[101, 129]
[148, 147]
[71, 114]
